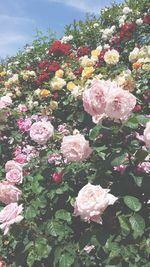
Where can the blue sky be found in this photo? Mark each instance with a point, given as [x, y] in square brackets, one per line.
[19, 19]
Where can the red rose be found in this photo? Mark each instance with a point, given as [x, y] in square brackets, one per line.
[43, 64]
[57, 177]
[59, 49]
[54, 66]
[82, 51]
[146, 19]
[115, 40]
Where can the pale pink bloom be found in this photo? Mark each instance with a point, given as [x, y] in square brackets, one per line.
[144, 167]
[14, 176]
[24, 124]
[75, 148]
[62, 128]
[22, 108]
[54, 159]
[9, 193]
[41, 132]
[11, 164]
[21, 158]
[121, 168]
[9, 215]
[91, 202]
[94, 98]
[147, 135]
[5, 101]
[120, 104]
[89, 248]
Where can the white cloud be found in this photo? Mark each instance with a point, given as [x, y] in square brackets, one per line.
[83, 5]
[13, 34]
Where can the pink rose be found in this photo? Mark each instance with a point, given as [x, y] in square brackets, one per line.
[5, 101]
[120, 104]
[10, 215]
[91, 202]
[24, 124]
[147, 135]
[41, 132]
[94, 98]
[21, 158]
[22, 108]
[144, 167]
[11, 164]
[120, 168]
[9, 193]
[75, 148]
[14, 176]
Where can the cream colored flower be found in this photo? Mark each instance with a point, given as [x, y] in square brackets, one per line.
[111, 57]
[57, 83]
[59, 73]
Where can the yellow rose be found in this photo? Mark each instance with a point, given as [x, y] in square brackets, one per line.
[3, 73]
[95, 53]
[87, 72]
[146, 67]
[70, 86]
[59, 73]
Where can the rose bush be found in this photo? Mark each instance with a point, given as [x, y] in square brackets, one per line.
[74, 132]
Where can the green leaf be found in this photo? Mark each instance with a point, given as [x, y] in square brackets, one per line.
[63, 215]
[138, 225]
[133, 203]
[66, 260]
[94, 133]
[141, 155]
[30, 213]
[118, 159]
[132, 123]
[31, 258]
[124, 224]
[138, 180]
[142, 119]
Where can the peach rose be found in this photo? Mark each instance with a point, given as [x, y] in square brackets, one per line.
[41, 132]
[91, 202]
[147, 135]
[75, 148]
[10, 215]
[9, 193]
[14, 176]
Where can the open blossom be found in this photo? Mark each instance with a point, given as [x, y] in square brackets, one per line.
[111, 57]
[144, 167]
[5, 101]
[41, 132]
[120, 104]
[12, 164]
[75, 148]
[14, 176]
[147, 135]
[9, 193]
[94, 98]
[21, 158]
[24, 124]
[9, 215]
[91, 202]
